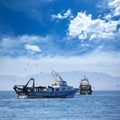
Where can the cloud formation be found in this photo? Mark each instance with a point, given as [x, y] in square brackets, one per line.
[115, 5]
[33, 48]
[111, 8]
[63, 15]
[83, 27]
[16, 46]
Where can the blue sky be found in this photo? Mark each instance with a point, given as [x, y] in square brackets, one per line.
[61, 35]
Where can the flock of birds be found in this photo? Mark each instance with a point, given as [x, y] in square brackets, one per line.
[37, 65]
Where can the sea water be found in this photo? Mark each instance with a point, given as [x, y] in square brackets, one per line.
[101, 105]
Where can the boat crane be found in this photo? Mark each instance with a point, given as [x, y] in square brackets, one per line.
[56, 76]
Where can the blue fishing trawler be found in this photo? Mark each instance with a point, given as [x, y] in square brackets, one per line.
[59, 89]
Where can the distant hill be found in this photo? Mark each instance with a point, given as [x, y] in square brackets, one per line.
[99, 81]
[8, 81]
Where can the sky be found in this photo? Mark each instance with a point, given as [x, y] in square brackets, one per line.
[44, 35]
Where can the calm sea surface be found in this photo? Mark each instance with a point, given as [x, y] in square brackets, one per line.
[101, 105]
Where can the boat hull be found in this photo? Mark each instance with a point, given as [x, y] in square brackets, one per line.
[59, 94]
[85, 89]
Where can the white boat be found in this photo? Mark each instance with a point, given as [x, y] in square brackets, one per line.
[85, 86]
[59, 89]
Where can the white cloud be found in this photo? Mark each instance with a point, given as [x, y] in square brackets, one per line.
[83, 26]
[34, 48]
[33, 38]
[62, 16]
[10, 41]
[26, 38]
[85, 45]
[117, 11]
[115, 4]
[14, 45]
[108, 17]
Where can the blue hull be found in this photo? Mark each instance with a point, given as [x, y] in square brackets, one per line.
[59, 94]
